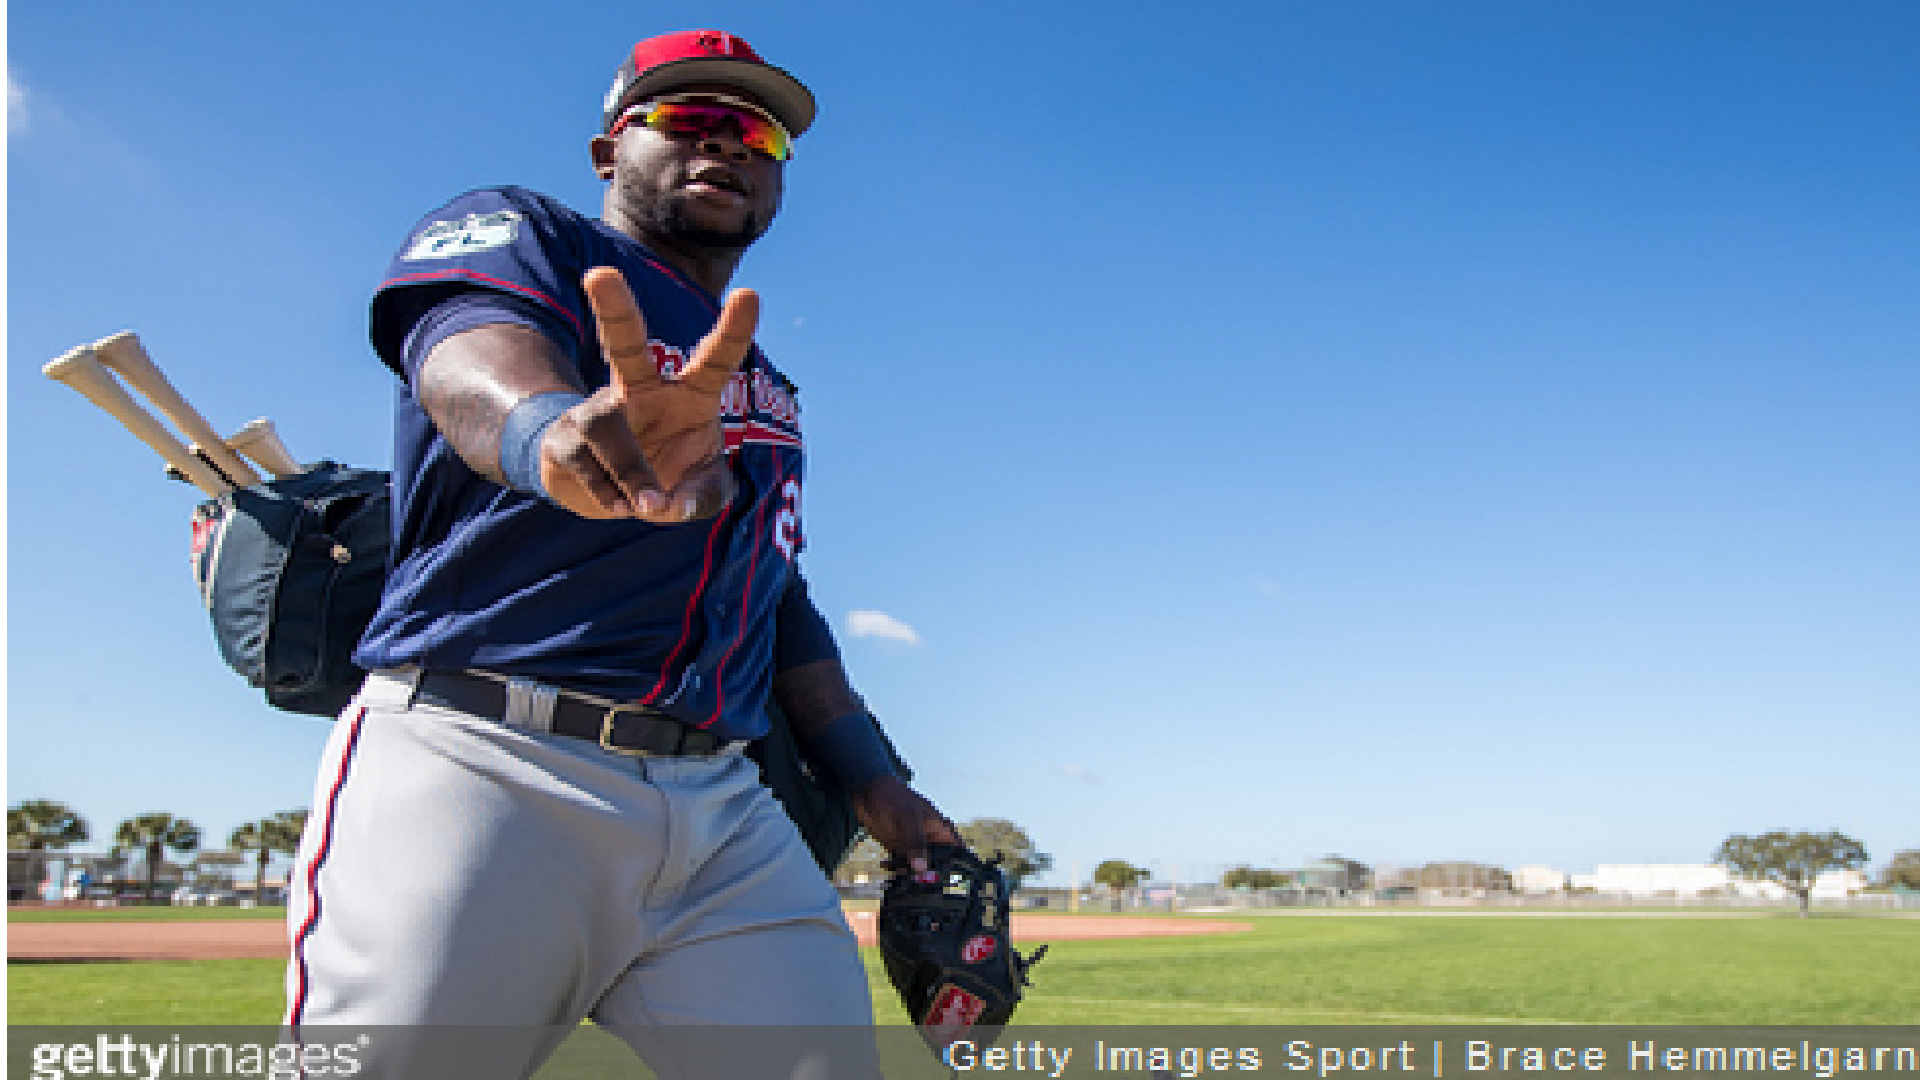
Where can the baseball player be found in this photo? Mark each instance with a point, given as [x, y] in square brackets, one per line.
[537, 809]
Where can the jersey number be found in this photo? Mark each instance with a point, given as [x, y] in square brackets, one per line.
[786, 521]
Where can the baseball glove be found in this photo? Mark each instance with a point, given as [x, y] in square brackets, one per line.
[946, 942]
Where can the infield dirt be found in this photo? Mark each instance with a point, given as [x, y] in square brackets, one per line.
[84, 941]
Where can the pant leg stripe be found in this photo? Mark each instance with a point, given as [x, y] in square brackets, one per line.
[297, 1006]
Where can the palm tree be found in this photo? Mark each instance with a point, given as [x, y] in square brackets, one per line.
[44, 825]
[281, 833]
[38, 826]
[152, 832]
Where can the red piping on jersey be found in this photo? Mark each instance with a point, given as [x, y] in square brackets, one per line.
[299, 1002]
[747, 431]
[693, 605]
[532, 294]
[746, 593]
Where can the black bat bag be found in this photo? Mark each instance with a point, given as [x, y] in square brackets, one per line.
[290, 571]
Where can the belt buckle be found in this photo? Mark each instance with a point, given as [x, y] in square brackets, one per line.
[606, 731]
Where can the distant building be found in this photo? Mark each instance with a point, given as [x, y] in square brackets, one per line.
[1840, 883]
[1335, 874]
[1655, 879]
[1539, 879]
[1695, 879]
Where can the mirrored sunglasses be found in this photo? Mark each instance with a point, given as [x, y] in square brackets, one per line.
[698, 118]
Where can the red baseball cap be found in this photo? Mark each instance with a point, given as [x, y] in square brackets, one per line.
[707, 56]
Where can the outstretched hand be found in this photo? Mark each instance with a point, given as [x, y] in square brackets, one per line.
[648, 446]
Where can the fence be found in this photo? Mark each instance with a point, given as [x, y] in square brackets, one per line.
[1214, 898]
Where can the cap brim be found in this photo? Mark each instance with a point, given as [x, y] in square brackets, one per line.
[784, 96]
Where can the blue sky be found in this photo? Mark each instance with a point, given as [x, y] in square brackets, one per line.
[1239, 432]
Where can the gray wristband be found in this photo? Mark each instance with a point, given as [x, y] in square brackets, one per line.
[520, 437]
[852, 748]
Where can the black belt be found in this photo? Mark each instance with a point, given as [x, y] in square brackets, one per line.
[637, 730]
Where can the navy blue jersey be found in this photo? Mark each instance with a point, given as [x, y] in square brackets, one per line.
[680, 617]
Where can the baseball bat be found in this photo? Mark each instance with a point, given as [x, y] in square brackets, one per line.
[127, 357]
[207, 460]
[260, 443]
[83, 371]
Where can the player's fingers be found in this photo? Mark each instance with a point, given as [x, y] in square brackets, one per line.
[705, 491]
[904, 823]
[573, 491]
[934, 828]
[623, 330]
[726, 346]
[601, 460]
[618, 454]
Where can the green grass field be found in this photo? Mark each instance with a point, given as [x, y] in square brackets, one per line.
[158, 913]
[1287, 970]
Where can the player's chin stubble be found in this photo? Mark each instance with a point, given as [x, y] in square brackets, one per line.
[670, 220]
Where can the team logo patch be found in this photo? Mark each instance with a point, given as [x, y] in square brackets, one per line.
[952, 1013]
[978, 947]
[469, 235]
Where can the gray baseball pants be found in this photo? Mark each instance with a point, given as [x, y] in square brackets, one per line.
[460, 870]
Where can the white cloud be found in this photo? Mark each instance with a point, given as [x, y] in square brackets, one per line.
[879, 624]
[37, 122]
[17, 116]
[1074, 771]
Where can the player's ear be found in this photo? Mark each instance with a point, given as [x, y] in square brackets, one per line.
[602, 148]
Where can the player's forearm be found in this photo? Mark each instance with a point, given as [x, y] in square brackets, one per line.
[833, 723]
[471, 381]
[815, 694]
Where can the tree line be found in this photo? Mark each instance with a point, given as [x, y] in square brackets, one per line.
[44, 825]
[1791, 859]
